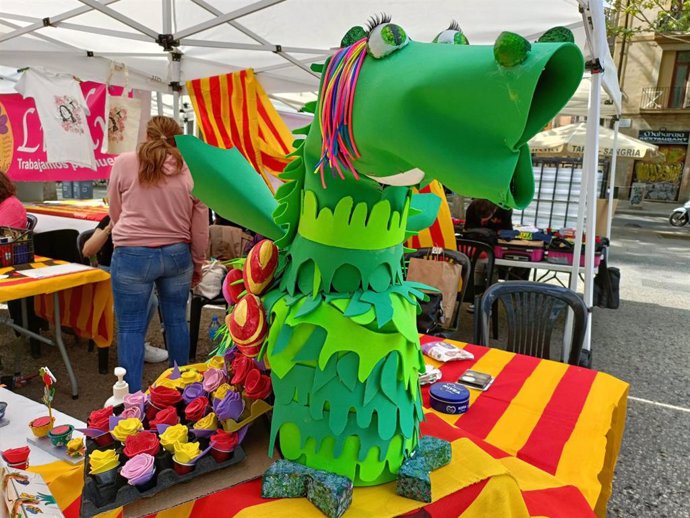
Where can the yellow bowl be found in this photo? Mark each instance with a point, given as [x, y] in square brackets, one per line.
[42, 425]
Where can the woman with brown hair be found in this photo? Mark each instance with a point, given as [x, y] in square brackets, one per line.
[160, 235]
[12, 212]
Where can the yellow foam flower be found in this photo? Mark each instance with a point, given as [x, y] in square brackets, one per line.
[208, 422]
[176, 434]
[126, 427]
[75, 446]
[102, 461]
[167, 382]
[217, 362]
[185, 453]
[190, 376]
[221, 391]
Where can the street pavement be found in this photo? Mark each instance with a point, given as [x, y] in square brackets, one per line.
[646, 342]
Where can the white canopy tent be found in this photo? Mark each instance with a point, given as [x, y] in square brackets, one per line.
[167, 42]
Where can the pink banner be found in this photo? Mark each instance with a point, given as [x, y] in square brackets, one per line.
[22, 153]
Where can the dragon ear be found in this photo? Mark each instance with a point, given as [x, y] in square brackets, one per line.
[355, 34]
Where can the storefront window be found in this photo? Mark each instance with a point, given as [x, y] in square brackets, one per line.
[680, 96]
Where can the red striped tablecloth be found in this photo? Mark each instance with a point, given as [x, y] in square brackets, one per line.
[541, 442]
[91, 210]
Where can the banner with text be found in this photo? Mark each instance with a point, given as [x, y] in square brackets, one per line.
[22, 153]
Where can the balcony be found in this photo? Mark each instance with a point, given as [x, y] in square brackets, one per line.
[665, 98]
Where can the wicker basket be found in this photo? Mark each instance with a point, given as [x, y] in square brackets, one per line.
[16, 246]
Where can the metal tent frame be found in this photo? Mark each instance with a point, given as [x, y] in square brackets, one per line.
[162, 60]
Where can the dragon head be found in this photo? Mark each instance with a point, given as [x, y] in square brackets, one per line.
[403, 112]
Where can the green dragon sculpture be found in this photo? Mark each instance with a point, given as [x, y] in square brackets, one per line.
[343, 346]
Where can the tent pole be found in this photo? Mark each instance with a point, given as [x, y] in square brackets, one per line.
[220, 19]
[590, 163]
[159, 103]
[126, 20]
[249, 46]
[176, 105]
[612, 178]
[217, 12]
[167, 16]
[53, 19]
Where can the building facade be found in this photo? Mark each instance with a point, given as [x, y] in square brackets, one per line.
[654, 74]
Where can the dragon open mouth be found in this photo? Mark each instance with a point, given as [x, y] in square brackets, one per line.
[406, 179]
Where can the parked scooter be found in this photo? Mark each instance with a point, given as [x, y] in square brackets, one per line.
[680, 216]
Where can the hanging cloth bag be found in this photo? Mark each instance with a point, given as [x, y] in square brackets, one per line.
[122, 115]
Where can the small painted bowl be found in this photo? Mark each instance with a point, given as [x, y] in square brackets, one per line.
[60, 435]
[182, 469]
[41, 425]
[3, 407]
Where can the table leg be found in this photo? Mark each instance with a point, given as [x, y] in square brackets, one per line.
[17, 350]
[61, 346]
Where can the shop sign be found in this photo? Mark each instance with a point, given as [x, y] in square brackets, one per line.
[677, 138]
[22, 150]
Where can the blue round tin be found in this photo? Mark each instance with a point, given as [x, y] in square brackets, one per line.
[449, 398]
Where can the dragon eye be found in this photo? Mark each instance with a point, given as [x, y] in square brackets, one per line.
[453, 35]
[385, 38]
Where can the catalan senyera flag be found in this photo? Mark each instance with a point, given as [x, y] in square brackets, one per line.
[233, 110]
[541, 443]
[442, 232]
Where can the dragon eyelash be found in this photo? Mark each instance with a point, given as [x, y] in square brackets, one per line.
[376, 20]
[454, 26]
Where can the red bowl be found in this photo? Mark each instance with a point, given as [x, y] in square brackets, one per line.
[182, 469]
[104, 440]
[220, 455]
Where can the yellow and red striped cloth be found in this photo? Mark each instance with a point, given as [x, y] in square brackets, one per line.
[90, 210]
[441, 233]
[86, 298]
[233, 110]
[541, 442]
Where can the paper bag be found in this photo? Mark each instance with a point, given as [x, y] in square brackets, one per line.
[442, 275]
[123, 114]
[226, 242]
[212, 275]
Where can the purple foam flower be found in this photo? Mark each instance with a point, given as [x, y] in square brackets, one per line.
[230, 407]
[192, 391]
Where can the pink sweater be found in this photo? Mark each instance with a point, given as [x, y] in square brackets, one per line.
[159, 215]
[12, 213]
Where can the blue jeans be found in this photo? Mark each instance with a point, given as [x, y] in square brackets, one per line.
[134, 271]
[153, 301]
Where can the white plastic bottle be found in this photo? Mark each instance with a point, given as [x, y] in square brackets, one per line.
[120, 388]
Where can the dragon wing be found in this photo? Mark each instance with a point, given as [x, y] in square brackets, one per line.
[225, 181]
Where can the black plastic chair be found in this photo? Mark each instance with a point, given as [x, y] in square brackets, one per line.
[31, 221]
[475, 250]
[58, 244]
[453, 257]
[532, 309]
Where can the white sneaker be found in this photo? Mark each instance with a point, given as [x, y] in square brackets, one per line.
[154, 354]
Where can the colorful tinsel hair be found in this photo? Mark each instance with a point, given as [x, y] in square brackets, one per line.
[336, 100]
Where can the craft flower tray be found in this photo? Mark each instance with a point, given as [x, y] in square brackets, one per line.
[97, 499]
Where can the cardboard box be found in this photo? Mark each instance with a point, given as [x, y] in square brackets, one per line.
[83, 190]
[26, 495]
[602, 215]
[67, 190]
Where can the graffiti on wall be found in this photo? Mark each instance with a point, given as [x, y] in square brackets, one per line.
[662, 178]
